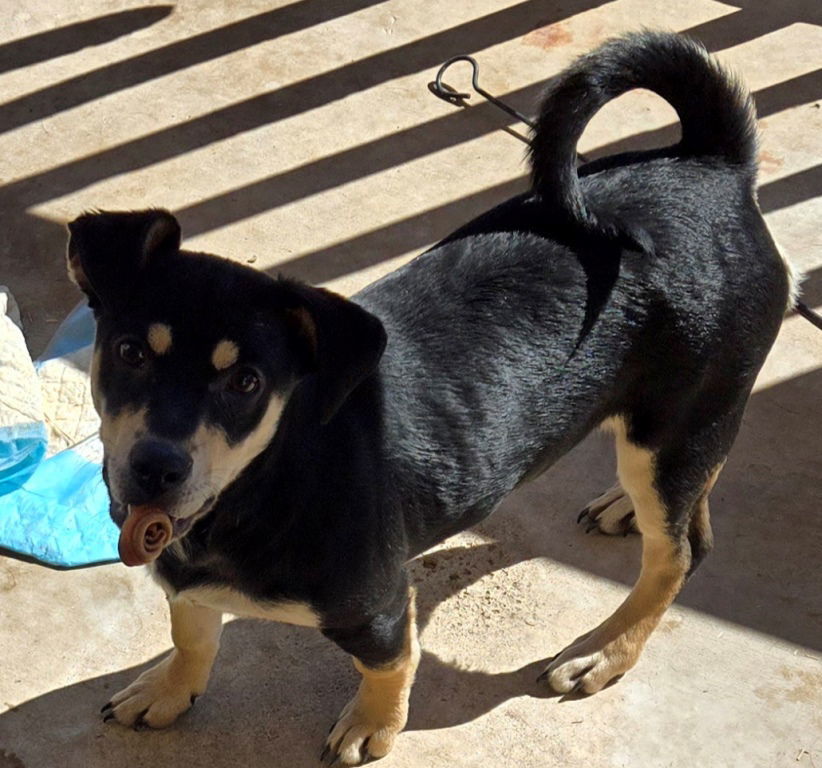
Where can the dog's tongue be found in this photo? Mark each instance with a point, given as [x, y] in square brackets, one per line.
[146, 532]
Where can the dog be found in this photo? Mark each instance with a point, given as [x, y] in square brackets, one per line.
[300, 448]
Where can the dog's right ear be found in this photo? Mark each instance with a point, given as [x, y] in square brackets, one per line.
[341, 342]
[107, 250]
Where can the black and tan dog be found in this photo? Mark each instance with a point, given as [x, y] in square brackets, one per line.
[303, 447]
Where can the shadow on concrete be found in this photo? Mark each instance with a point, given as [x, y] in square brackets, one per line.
[170, 58]
[52, 43]
[283, 686]
[752, 19]
[434, 136]
[430, 226]
[383, 243]
[39, 261]
[791, 190]
[812, 288]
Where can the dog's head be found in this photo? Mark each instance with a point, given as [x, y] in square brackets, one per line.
[196, 356]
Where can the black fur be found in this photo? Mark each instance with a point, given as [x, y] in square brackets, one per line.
[645, 287]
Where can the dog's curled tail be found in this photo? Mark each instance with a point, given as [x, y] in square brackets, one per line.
[715, 111]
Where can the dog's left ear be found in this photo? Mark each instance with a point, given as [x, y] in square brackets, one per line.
[341, 342]
[107, 250]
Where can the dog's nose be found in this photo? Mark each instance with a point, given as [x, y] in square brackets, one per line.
[158, 466]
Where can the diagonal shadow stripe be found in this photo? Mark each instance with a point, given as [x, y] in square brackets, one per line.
[409, 234]
[434, 136]
[291, 100]
[418, 231]
[173, 58]
[790, 190]
[52, 43]
[755, 18]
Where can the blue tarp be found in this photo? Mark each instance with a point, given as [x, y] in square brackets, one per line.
[55, 510]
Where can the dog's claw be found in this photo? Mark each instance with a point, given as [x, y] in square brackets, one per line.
[140, 724]
[582, 515]
[109, 716]
[106, 706]
[194, 698]
[591, 526]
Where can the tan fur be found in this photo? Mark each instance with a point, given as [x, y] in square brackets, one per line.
[159, 338]
[700, 525]
[227, 600]
[795, 276]
[75, 269]
[166, 690]
[94, 379]
[118, 434]
[225, 354]
[379, 711]
[611, 649]
[216, 463]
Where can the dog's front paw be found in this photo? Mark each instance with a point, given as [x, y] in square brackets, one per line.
[158, 696]
[589, 663]
[611, 513]
[363, 731]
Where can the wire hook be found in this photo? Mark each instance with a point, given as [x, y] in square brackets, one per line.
[447, 93]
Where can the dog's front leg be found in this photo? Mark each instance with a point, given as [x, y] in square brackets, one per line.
[161, 694]
[386, 653]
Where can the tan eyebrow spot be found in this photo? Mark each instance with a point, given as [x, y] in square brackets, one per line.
[225, 354]
[159, 338]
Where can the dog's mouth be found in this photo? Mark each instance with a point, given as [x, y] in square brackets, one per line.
[148, 529]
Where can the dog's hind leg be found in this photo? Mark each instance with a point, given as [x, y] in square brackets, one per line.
[669, 497]
[161, 694]
[386, 653]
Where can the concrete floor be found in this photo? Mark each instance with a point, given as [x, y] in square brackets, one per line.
[301, 137]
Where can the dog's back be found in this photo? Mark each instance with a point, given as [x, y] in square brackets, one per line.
[618, 289]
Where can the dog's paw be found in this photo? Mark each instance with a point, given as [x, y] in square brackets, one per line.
[360, 734]
[611, 513]
[589, 664]
[157, 697]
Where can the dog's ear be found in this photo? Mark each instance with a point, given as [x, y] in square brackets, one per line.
[107, 250]
[340, 342]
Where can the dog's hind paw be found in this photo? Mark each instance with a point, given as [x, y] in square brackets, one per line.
[155, 699]
[611, 513]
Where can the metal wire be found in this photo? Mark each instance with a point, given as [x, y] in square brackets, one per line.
[447, 93]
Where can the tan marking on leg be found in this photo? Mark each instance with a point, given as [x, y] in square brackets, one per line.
[700, 526]
[379, 711]
[159, 338]
[168, 689]
[700, 533]
[225, 354]
[611, 649]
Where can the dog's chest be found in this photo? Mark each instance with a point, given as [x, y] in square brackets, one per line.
[228, 600]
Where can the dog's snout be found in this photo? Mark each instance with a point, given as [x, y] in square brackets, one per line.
[158, 466]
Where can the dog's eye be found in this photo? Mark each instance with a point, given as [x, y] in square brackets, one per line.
[131, 352]
[245, 381]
